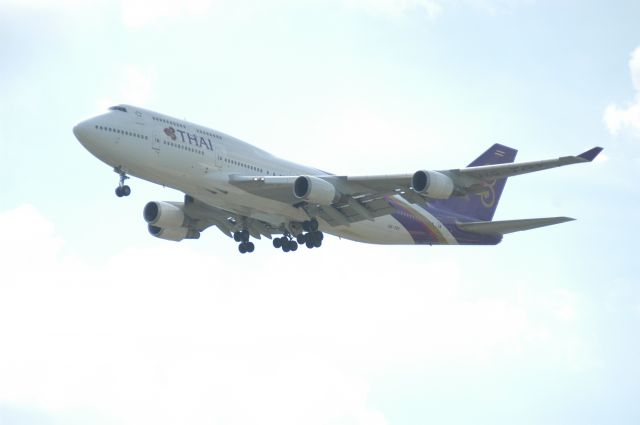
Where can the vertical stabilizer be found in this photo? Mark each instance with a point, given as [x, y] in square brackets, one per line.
[483, 205]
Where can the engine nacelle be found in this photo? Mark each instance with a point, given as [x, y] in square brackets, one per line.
[173, 233]
[164, 215]
[432, 184]
[314, 190]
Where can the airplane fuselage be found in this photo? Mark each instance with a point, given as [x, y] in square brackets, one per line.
[198, 161]
[204, 163]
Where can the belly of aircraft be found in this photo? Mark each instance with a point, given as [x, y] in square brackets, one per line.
[384, 230]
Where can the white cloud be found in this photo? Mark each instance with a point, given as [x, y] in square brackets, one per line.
[619, 118]
[166, 333]
[162, 335]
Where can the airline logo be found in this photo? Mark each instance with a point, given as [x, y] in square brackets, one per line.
[186, 137]
[488, 198]
[171, 132]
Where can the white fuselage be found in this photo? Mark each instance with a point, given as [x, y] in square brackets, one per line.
[198, 161]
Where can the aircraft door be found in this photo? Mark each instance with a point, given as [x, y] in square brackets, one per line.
[218, 153]
[155, 142]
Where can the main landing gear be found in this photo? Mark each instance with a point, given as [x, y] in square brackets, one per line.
[286, 242]
[312, 239]
[122, 189]
[243, 237]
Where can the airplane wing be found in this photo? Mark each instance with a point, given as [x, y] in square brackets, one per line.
[492, 172]
[465, 180]
[349, 199]
[202, 216]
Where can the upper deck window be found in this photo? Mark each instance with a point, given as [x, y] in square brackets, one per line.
[118, 108]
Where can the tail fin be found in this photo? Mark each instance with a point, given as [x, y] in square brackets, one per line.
[482, 206]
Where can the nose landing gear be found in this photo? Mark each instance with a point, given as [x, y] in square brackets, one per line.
[122, 189]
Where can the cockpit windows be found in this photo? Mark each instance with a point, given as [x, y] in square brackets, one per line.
[118, 108]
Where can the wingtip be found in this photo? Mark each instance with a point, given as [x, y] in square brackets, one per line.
[591, 154]
[560, 220]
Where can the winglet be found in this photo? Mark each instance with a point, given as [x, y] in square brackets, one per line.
[590, 154]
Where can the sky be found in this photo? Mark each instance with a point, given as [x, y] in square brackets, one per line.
[101, 323]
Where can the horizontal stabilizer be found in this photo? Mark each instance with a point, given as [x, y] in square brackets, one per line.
[510, 226]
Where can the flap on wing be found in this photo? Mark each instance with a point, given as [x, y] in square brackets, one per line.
[510, 226]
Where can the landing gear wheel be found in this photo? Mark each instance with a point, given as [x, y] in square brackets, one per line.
[313, 239]
[241, 236]
[245, 247]
[285, 247]
[310, 225]
[122, 189]
[301, 238]
[277, 243]
[293, 246]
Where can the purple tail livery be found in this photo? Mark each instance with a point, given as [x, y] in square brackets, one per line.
[482, 205]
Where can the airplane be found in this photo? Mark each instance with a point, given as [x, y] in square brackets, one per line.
[248, 193]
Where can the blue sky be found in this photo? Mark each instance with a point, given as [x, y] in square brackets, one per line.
[101, 323]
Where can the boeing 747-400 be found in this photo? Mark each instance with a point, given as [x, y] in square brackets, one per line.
[248, 193]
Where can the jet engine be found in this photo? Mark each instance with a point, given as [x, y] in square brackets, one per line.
[173, 233]
[167, 221]
[432, 184]
[314, 190]
[164, 214]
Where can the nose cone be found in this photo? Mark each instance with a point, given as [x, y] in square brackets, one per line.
[81, 131]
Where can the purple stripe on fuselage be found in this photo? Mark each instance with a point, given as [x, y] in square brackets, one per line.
[418, 231]
[423, 235]
[449, 219]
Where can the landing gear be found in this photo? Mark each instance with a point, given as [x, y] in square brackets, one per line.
[286, 243]
[310, 225]
[122, 189]
[243, 237]
[311, 239]
[245, 247]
